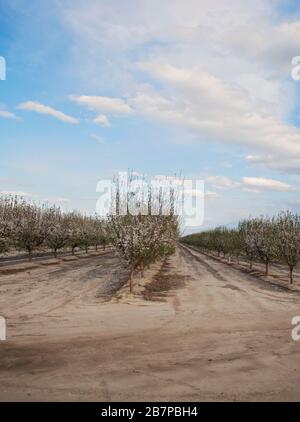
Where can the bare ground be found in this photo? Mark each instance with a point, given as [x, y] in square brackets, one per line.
[209, 332]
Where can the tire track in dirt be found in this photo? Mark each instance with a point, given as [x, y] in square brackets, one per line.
[260, 287]
[253, 294]
[205, 264]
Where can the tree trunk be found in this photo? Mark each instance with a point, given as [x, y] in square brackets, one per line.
[267, 268]
[96, 248]
[291, 274]
[250, 265]
[73, 250]
[29, 256]
[55, 253]
[86, 249]
[131, 283]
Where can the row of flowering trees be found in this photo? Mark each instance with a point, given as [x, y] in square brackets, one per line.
[139, 239]
[26, 226]
[263, 239]
[141, 224]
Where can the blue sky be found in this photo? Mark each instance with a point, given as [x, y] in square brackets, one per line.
[202, 87]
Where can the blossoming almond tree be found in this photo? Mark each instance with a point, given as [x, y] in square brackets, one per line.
[287, 226]
[7, 205]
[148, 230]
[58, 229]
[142, 239]
[263, 233]
[31, 227]
[100, 233]
[74, 232]
[247, 241]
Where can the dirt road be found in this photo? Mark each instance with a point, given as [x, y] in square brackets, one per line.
[224, 335]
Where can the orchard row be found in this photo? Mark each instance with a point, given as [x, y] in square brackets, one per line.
[139, 239]
[262, 239]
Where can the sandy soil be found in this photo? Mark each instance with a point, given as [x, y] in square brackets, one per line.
[218, 334]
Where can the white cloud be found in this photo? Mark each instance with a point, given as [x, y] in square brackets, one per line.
[220, 182]
[105, 104]
[216, 110]
[257, 184]
[284, 163]
[220, 68]
[123, 25]
[195, 81]
[97, 138]
[250, 184]
[6, 114]
[43, 109]
[211, 194]
[102, 120]
[252, 190]
[274, 47]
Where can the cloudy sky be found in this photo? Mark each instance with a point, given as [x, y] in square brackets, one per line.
[201, 87]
